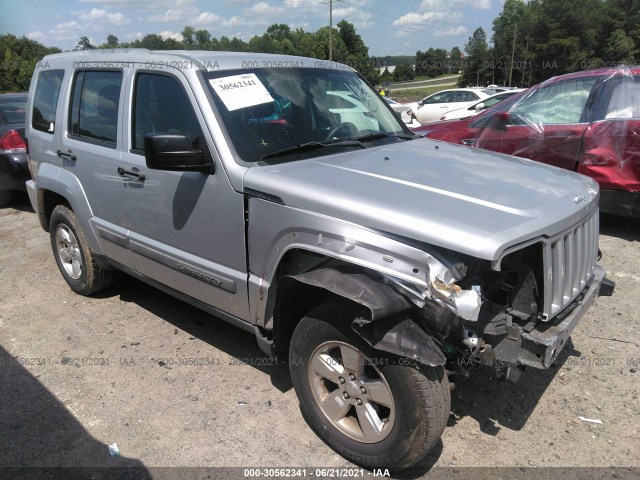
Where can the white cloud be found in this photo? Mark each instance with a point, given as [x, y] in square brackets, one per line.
[38, 36]
[142, 4]
[448, 4]
[179, 14]
[263, 8]
[401, 34]
[207, 18]
[452, 32]
[133, 36]
[169, 34]
[66, 30]
[101, 15]
[414, 18]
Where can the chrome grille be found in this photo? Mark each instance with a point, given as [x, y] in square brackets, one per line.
[569, 260]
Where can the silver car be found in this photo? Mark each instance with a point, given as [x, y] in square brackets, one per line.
[382, 262]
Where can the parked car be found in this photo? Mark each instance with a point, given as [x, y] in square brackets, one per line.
[403, 111]
[352, 112]
[14, 170]
[479, 106]
[431, 108]
[379, 260]
[588, 122]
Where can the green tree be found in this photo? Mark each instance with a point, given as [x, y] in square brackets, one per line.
[620, 48]
[84, 44]
[509, 44]
[357, 51]
[455, 60]
[403, 72]
[563, 39]
[476, 71]
[18, 58]
[188, 37]
[112, 42]
[202, 39]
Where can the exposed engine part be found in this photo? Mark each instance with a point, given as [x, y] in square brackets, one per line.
[470, 338]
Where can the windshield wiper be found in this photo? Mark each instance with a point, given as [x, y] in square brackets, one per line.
[378, 135]
[309, 146]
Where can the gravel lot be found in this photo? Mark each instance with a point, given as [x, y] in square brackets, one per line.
[79, 373]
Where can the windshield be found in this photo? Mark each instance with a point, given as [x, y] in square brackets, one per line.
[267, 112]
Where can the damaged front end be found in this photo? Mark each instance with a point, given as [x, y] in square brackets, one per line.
[518, 311]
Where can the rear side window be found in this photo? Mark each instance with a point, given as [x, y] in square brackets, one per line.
[161, 106]
[46, 99]
[625, 99]
[94, 106]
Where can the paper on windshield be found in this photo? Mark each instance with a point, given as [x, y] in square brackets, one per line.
[241, 91]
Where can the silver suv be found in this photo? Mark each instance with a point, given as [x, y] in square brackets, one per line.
[284, 196]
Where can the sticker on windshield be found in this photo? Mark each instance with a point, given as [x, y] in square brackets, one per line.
[241, 91]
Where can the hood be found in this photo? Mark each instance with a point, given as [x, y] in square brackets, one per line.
[472, 201]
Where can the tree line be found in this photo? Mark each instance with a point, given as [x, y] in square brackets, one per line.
[543, 38]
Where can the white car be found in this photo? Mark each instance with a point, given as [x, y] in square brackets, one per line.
[351, 110]
[404, 111]
[479, 106]
[431, 108]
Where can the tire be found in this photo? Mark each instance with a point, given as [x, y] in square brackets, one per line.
[397, 435]
[72, 254]
[5, 197]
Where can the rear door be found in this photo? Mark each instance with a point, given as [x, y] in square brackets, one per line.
[547, 125]
[612, 144]
[186, 228]
[91, 151]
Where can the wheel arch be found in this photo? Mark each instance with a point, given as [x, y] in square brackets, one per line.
[382, 316]
[57, 186]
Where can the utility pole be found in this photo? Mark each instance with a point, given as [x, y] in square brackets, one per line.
[330, 29]
[513, 52]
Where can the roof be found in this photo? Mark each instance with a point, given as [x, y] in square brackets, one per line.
[202, 59]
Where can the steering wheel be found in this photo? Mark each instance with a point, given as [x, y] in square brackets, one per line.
[348, 127]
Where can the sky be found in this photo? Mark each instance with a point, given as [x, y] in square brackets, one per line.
[388, 27]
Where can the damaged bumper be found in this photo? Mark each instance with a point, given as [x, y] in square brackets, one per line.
[540, 346]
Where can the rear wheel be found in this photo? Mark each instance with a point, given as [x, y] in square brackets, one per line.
[375, 409]
[73, 256]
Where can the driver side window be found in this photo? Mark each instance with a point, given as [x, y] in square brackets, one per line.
[162, 106]
[556, 104]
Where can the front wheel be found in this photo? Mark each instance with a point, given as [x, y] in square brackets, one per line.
[375, 409]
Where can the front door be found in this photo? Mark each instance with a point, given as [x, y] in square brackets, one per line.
[186, 228]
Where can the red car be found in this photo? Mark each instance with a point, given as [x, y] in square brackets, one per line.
[587, 121]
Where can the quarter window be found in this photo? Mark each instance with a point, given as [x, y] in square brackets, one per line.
[94, 106]
[162, 106]
[46, 100]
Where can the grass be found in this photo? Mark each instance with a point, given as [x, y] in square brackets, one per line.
[413, 95]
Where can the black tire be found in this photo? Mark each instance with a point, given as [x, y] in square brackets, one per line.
[90, 277]
[5, 197]
[421, 395]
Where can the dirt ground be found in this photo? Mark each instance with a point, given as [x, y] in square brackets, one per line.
[79, 373]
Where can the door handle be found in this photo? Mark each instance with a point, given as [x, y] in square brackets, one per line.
[131, 174]
[68, 154]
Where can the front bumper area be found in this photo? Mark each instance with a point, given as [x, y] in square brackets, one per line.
[540, 346]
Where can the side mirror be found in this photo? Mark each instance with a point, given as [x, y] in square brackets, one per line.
[420, 102]
[480, 106]
[500, 120]
[168, 151]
